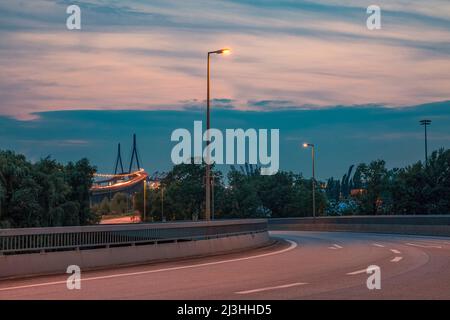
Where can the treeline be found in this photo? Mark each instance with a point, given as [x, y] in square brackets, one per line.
[45, 193]
[369, 189]
[248, 194]
[120, 204]
[373, 189]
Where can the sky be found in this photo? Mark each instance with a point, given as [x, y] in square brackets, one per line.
[309, 68]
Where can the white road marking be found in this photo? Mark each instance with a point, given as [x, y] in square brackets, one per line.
[422, 246]
[378, 245]
[333, 248]
[357, 272]
[290, 285]
[292, 246]
[337, 246]
[396, 259]
[395, 251]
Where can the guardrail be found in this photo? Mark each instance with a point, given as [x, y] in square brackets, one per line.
[33, 240]
[434, 225]
[381, 219]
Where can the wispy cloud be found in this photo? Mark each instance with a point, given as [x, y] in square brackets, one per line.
[287, 54]
[343, 135]
[55, 143]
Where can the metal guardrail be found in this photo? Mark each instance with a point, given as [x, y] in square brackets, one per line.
[437, 220]
[29, 240]
[426, 225]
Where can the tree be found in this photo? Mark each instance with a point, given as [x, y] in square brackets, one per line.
[242, 194]
[45, 193]
[333, 189]
[19, 192]
[184, 192]
[346, 183]
[57, 210]
[104, 207]
[243, 198]
[375, 181]
[438, 176]
[79, 176]
[408, 190]
[138, 204]
[423, 189]
[48, 193]
[283, 194]
[119, 203]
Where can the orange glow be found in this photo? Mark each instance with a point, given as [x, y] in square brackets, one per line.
[107, 175]
[226, 51]
[134, 178]
[305, 145]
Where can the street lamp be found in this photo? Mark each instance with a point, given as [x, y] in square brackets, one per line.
[162, 204]
[224, 51]
[426, 123]
[145, 199]
[306, 145]
[212, 198]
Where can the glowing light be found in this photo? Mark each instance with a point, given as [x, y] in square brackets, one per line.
[134, 178]
[226, 51]
[110, 175]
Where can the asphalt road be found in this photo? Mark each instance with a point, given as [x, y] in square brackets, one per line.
[304, 265]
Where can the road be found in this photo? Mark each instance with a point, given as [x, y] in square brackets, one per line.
[302, 265]
[122, 220]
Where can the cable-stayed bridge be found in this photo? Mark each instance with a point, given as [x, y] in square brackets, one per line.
[131, 181]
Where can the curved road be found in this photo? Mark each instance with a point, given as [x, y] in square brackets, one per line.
[305, 265]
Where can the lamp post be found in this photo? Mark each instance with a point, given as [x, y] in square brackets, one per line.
[306, 145]
[162, 203]
[145, 199]
[208, 126]
[426, 123]
[212, 198]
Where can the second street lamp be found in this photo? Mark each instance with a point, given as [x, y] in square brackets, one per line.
[306, 145]
[224, 51]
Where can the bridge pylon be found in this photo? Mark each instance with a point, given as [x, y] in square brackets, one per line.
[119, 161]
[134, 155]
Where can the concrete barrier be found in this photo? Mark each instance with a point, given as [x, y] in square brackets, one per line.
[428, 225]
[57, 262]
[53, 262]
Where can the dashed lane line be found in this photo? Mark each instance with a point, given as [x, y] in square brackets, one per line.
[357, 272]
[422, 246]
[284, 286]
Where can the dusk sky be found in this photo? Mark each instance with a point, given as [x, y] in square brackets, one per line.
[310, 68]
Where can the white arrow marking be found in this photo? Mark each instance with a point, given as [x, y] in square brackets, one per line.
[396, 259]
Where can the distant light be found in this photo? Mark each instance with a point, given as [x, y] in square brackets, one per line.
[305, 145]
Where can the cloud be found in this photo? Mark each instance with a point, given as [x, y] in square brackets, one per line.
[343, 135]
[288, 54]
[196, 105]
[55, 143]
